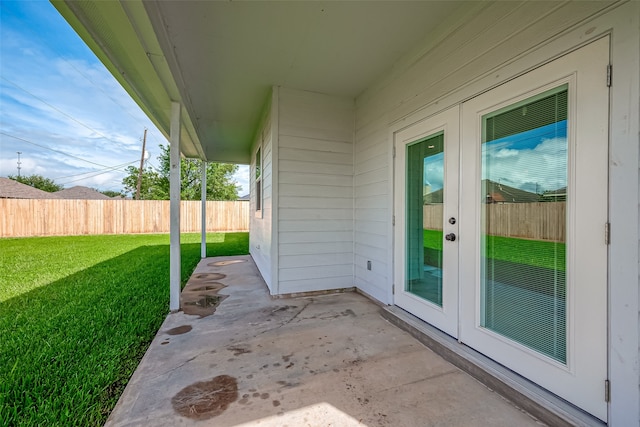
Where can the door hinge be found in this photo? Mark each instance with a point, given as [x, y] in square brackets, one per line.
[607, 233]
[393, 289]
[393, 220]
[609, 74]
[394, 151]
[607, 391]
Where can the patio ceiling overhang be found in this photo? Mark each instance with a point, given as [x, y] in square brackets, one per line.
[219, 60]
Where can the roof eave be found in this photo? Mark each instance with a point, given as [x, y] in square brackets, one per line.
[121, 35]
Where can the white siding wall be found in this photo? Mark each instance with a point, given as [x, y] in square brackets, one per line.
[314, 192]
[261, 223]
[433, 77]
[470, 54]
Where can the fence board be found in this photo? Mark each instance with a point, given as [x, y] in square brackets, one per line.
[538, 221]
[55, 217]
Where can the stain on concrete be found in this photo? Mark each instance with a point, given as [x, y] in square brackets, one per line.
[264, 396]
[276, 403]
[201, 305]
[284, 308]
[206, 301]
[179, 330]
[223, 263]
[286, 384]
[237, 350]
[215, 286]
[206, 399]
[287, 357]
[289, 365]
[348, 312]
[200, 295]
[208, 276]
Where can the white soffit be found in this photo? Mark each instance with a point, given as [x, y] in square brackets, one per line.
[224, 57]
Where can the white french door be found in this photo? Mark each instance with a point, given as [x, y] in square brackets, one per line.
[522, 172]
[426, 190]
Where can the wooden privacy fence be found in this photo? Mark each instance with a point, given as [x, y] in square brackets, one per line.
[538, 221]
[53, 217]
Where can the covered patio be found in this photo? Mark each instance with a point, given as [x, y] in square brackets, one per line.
[323, 360]
[336, 107]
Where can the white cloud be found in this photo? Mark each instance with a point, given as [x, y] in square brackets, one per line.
[70, 105]
[541, 168]
[242, 178]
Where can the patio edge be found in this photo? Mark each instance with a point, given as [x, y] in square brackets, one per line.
[528, 396]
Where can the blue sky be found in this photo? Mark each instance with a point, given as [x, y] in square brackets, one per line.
[534, 161]
[62, 109]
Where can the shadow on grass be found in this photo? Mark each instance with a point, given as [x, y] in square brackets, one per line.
[67, 349]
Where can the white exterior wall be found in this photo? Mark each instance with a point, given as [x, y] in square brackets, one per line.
[314, 192]
[261, 222]
[492, 44]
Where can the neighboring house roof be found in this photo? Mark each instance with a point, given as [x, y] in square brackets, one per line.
[10, 189]
[246, 197]
[493, 192]
[556, 195]
[433, 198]
[496, 192]
[80, 192]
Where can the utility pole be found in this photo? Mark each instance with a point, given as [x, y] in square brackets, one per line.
[19, 162]
[144, 142]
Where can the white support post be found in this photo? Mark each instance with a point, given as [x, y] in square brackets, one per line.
[203, 191]
[174, 208]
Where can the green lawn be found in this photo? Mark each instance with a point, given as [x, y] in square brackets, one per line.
[536, 253]
[76, 316]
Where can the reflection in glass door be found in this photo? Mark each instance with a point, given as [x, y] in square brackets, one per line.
[522, 246]
[426, 181]
[424, 218]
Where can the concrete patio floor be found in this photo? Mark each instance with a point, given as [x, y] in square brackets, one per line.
[329, 360]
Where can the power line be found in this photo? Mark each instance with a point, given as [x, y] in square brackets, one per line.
[58, 110]
[19, 162]
[54, 47]
[91, 176]
[55, 151]
[114, 168]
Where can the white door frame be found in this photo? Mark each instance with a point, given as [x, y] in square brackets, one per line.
[552, 76]
[445, 317]
[581, 380]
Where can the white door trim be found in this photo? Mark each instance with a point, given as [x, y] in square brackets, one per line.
[581, 381]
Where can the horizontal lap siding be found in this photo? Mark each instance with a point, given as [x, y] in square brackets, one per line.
[315, 192]
[372, 211]
[432, 77]
[261, 235]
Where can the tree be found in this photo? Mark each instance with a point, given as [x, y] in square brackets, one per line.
[39, 182]
[155, 184]
[111, 193]
[150, 186]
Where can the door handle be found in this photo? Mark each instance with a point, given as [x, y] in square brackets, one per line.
[450, 237]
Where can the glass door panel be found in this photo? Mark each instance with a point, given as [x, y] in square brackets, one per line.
[424, 218]
[426, 180]
[533, 207]
[523, 196]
